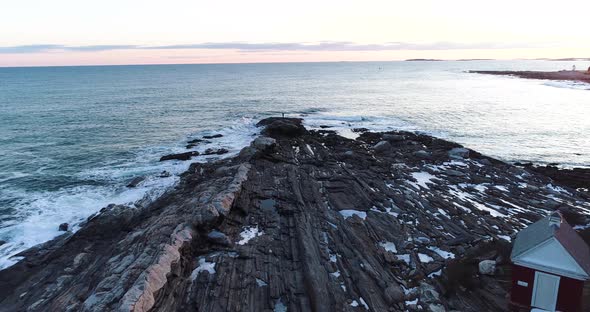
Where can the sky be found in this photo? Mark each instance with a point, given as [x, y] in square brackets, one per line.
[77, 32]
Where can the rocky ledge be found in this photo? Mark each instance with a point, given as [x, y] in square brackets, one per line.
[303, 221]
[582, 76]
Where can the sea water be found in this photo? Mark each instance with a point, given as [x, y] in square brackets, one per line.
[71, 138]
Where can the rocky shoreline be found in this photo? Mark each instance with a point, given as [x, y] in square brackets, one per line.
[582, 76]
[304, 221]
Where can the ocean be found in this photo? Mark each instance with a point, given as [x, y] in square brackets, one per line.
[71, 138]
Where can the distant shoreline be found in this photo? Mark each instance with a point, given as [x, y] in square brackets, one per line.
[582, 76]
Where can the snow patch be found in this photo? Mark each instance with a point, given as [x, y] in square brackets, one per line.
[349, 213]
[248, 234]
[388, 246]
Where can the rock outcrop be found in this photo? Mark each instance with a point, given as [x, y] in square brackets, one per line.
[300, 221]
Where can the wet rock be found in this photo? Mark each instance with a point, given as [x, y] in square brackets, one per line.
[459, 153]
[214, 136]
[487, 267]
[212, 151]
[135, 182]
[64, 227]
[2, 242]
[193, 143]
[359, 130]
[165, 174]
[382, 147]
[180, 156]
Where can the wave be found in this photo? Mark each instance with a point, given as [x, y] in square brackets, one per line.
[35, 216]
[577, 85]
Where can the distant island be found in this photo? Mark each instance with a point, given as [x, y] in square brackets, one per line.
[571, 75]
[423, 60]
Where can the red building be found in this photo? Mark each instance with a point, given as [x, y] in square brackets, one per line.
[550, 263]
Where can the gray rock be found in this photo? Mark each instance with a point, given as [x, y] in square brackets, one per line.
[135, 182]
[454, 173]
[427, 293]
[394, 294]
[459, 153]
[433, 307]
[64, 227]
[2, 242]
[264, 143]
[217, 237]
[382, 147]
[487, 267]
[165, 174]
[422, 154]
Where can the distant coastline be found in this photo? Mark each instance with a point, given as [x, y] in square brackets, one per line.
[570, 75]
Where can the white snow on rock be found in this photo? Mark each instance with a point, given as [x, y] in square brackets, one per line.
[354, 303]
[405, 258]
[261, 283]
[349, 213]
[415, 301]
[388, 246]
[364, 303]
[203, 266]
[435, 273]
[248, 234]
[425, 258]
[422, 178]
[442, 253]
[279, 306]
[505, 237]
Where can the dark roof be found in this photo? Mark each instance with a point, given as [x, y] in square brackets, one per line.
[541, 231]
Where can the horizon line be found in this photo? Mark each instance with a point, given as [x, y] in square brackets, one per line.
[305, 62]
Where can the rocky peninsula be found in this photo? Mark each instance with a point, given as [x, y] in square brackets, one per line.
[303, 220]
[582, 76]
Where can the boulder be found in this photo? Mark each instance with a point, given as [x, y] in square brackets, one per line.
[287, 127]
[219, 151]
[454, 173]
[382, 147]
[459, 153]
[2, 242]
[219, 238]
[180, 156]
[487, 267]
[394, 294]
[165, 174]
[64, 227]
[135, 182]
[428, 294]
[264, 143]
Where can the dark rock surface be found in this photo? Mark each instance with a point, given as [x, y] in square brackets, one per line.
[135, 182]
[577, 178]
[308, 221]
[63, 227]
[180, 156]
[214, 136]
